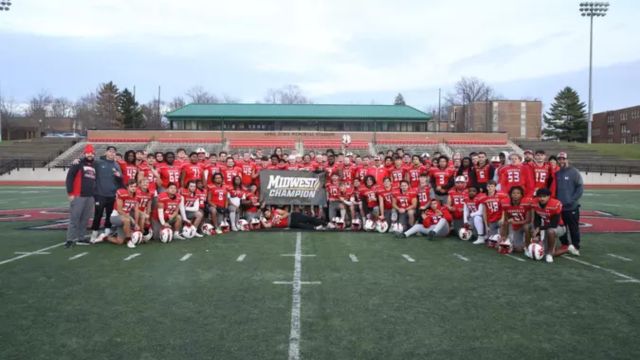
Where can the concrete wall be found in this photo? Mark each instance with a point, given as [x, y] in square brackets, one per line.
[39, 174]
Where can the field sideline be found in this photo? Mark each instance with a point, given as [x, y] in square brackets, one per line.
[360, 296]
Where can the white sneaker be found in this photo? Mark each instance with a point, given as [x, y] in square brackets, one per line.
[527, 253]
[176, 235]
[218, 231]
[548, 258]
[480, 241]
[148, 236]
[99, 239]
[573, 251]
[94, 236]
[197, 234]
[131, 245]
[107, 231]
[319, 228]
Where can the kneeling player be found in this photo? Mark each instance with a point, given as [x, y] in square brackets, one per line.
[123, 216]
[170, 212]
[473, 210]
[516, 219]
[547, 221]
[218, 200]
[492, 214]
[144, 198]
[435, 221]
[192, 211]
[404, 202]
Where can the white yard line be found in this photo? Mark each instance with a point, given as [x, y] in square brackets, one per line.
[294, 335]
[353, 258]
[186, 257]
[460, 257]
[78, 256]
[626, 278]
[29, 254]
[294, 255]
[241, 258]
[619, 257]
[516, 258]
[409, 258]
[301, 282]
[131, 256]
[32, 252]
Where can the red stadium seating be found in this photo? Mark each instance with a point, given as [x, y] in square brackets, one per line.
[476, 142]
[190, 141]
[117, 140]
[322, 144]
[407, 142]
[257, 143]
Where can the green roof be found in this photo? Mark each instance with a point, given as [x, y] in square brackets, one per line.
[297, 111]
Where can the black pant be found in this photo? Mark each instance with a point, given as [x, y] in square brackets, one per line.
[302, 221]
[103, 204]
[571, 220]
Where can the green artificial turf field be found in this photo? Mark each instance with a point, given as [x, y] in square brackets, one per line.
[360, 295]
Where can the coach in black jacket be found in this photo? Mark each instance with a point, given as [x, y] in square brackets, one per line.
[81, 183]
[569, 188]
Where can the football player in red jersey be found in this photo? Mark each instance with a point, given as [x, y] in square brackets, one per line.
[230, 171]
[169, 173]
[516, 218]
[170, 212]
[123, 216]
[345, 196]
[279, 219]
[190, 171]
[492, 213]
[442, 178]
[466, 170]
[147, 170]
[473, 210]
[214, 167]
[248, 169]
[414, 170]
[181, 157]
[385, 200]
[405, 202]
[333, 196]
[307, 165]
[528, 157]
[424, 193]
[547, 221]
[455, 203]
[236, 194]
[541, 171]
[251, 203]
[129, 167]
[435, 221]
[358, 203]
[378, 170]
[218, 201]
[369, 196]
[362, 167]
[348, 172]
[397, 173]
[191, 201]
[516, 174]
[144, 200]
[483, 171]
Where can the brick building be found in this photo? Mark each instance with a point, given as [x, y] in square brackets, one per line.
[520, 119]
[617, 126]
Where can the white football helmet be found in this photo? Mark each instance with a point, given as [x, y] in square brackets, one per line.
[339, 223]
[346, 139]
[505, 247]
[535, 251]
[493, 241]
[465, 234]
[224, 226]
[208, 229]
[369, 225]
[136, 237]
[243, 225]
[166, 235]
[356, 225]
[397, 228]
[382, 226]
[189, 231]
[255, 224]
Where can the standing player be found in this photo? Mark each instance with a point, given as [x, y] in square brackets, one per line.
[147, 170]
[129, 167]
[442, 178]
[369, 196]
[191, 171]
[333, 196]
[541, 171]
[385, 200]
[547, 222]
[144, 198]
[483, 171]
[169, 173]
[515, 174]
[414, 171]
[230, 171]
[398, 173]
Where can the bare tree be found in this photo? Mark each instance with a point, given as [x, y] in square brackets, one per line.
[61, 108]
[39, 105]
[290, 94]
[228, 99]
[152, 113]
[468, 90]
[176, 103]
[86, 112]
[198, 95]
[8, 112]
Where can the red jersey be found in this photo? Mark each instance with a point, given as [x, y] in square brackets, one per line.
[278, 221]
[379, 173]
[230, 173]
[517, 212]
[169, 174]
[387, 198]
[432, 217]
[145, 169]
[361, 172]
[129, 171]
[493, 206]
[238, 193]
[202, 196]
[213, 169]
[474, 204]
[553, 207]
[331, 169]
[333, 192]
[348, 173]
[248, 169]
[424, 196]
[457, 201]
[129, 202]
[307, 167]
[143, 198]
[218, 195]
[169, 204]
[254, 200]
[414, 175]
[404, 200]
[441, 177]
[370, 195]
[397, 175]
[483, 174]
[189, 197]
[541, 175]
[512, 175]
[191, 172]
[346, 194]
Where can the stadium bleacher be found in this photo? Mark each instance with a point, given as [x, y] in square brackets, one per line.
[31, 153]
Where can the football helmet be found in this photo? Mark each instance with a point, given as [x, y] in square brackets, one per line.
[243, 225]
[356, 224]
[136, 237]
[493, 241]
[339, 223]
[465, 234]
[369, 225]
[505, 247]
[255, 224]
[397, 228]
[535, 251]
[382, 226]
[189, 231]
[224, 226]
[166, 235]
[208, 229]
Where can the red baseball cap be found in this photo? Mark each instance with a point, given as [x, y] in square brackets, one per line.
[528, 151]
[562, 155]
[89, 149]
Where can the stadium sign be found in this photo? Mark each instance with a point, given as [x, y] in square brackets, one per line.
[278, 187]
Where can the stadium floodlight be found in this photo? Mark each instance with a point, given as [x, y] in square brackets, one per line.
[592, 9]
[5, 5]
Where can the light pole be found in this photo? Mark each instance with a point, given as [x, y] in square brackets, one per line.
[5, 5]
[592, 9]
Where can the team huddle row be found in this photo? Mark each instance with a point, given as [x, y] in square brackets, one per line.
[506, 203]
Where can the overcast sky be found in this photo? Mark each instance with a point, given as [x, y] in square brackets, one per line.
[337, 51]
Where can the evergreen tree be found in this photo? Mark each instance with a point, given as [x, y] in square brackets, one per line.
[130, 111]
[399, 100]
[566, 119]
[107, 115]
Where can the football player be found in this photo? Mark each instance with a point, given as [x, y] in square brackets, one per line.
[442, 178]
[169, 172]
[191, 171]
[369, 196]
[492, 214]
[515, 174]
[405, 202]
[279, 218]
[435, 221]
[483, 171]
[385, 200]
[144, 199]
[123, 216]
[547, 222]
[516, 218]
[170, 212]
[217, 200]
[191, 203]
[455, 202]
[473, 211]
